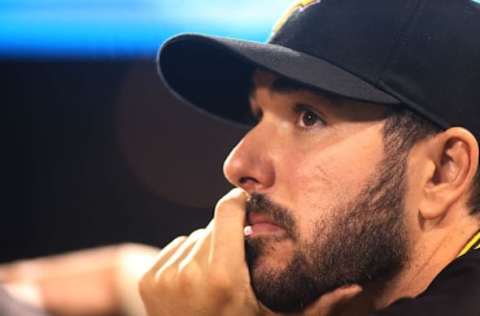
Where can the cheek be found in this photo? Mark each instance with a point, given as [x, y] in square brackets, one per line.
[315, 183]
[315, 186]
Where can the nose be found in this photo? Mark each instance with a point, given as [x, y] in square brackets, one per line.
[250, 164]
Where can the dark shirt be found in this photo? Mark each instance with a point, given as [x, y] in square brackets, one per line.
[455, 291]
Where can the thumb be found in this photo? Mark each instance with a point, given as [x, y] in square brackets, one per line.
[330, 303]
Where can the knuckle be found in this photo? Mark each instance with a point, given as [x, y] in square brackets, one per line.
[162, 280]
[171, 246]
[175, 241]
[185, 280]
[197, 233]
[165, 275]
[178, 239]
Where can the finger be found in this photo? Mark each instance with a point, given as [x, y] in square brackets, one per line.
[227, 234]
[330, 303]
[168, 251]
[200, 250]
[181, 252]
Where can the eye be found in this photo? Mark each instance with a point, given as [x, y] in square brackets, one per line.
[307, 118]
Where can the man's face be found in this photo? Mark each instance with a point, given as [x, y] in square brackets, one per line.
[327, 201]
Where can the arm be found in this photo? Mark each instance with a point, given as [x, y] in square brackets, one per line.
[95, 282]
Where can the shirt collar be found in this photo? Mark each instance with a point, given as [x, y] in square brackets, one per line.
[474, 243]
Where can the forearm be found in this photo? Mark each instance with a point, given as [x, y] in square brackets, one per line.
[96, 282]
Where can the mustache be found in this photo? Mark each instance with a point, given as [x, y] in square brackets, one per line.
[281, 216]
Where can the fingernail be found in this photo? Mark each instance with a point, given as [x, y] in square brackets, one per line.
[247, 230]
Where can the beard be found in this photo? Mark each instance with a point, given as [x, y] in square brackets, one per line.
[365, 241]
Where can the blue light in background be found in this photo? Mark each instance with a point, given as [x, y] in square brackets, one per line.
[124, 28]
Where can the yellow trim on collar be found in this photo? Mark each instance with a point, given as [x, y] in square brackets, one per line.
[471, 244]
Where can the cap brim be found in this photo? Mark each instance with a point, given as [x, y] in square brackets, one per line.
[214, 73]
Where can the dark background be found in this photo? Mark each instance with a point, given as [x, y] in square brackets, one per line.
[97, 152]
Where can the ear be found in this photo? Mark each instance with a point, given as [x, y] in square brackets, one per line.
[454, 157]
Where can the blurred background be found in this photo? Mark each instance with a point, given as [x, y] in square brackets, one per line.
[95, 149]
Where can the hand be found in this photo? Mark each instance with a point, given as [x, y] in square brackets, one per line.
[204, 274]
[335, 303]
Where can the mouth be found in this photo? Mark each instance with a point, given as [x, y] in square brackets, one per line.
[259, 224]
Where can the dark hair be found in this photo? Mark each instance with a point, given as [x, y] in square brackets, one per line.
[403, 129]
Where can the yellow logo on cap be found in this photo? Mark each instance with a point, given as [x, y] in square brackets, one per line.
[297, 5]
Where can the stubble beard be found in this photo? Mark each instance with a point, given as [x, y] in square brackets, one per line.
[365, 241]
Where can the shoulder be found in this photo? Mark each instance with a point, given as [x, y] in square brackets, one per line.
[455, 291]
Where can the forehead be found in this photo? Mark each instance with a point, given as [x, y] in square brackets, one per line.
[273, 83]
[278, 84]
[264, 80]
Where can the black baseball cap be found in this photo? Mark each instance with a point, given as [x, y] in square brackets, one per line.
[423, 54]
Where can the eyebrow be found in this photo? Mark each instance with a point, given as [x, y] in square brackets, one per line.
[285, 85]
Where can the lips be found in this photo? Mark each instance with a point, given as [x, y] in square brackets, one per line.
[262, 224]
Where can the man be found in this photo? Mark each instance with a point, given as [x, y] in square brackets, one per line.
[358, 190]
